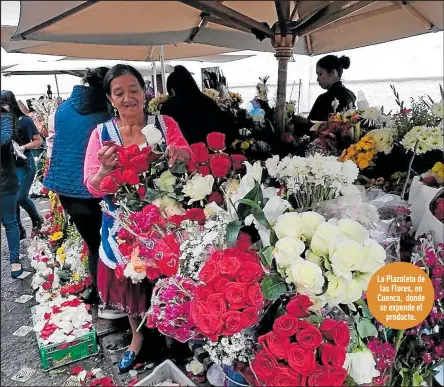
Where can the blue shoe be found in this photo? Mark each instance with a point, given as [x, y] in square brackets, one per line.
[17, 273]
[126, 361]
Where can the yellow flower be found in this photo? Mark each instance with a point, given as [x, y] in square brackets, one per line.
[76, 276]
[62, 258]
[245, 145]
[60, 250]
[438, 169]
[363, 164]
[57, 236]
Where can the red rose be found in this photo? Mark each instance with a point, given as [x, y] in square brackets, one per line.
[192, 166]
[229, 266]
[244, 241]
[204, 170]
[238, 161]
[265, 366]
[220, 166]
[200, 152]
[108, 185]
[140, 163]
[337, 377]
[286, 325]
[302, 361]
[198, 309]
[209, 272]
[196, 215]
[284, 377]
[219, 284]
[87, 282]
[216, 197]
[309, 337]
[332, 355]
[250, 272]
[276, 344]
[46, 285]
[118, 271]
[216, 141]
[216, 304]
[318, 378]
[130, 176]
[250, 317]
[233, 323]
[118, 176]
[255, 296]
[177, 219]
[336, 331]
[235, 294]
[141, 191]
[298, 306]
[203, 291]
[132, 150]
[210, 326]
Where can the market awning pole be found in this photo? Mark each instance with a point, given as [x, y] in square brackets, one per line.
[57, 85]
[162, 69]
[154, 78]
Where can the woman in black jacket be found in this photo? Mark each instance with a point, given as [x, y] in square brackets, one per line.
[9, 187]
[196, 113]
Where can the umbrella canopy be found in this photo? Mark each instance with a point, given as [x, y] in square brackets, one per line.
[78, 67]
[302, 27]
[102, 51]
[6, 67]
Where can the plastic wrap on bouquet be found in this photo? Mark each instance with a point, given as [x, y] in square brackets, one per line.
[354, 207]
[170, 308]
[429, 222]
[420, 196]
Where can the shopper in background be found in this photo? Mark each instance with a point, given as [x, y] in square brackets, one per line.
[9, 187]
[27, 137]
[74, 121]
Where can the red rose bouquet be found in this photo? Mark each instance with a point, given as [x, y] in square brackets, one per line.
[230, 298]
[300, 353]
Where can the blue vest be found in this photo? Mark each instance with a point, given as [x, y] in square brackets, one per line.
[109, 248]
[72, 132]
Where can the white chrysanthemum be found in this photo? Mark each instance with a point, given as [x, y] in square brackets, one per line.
[383, 138]
[424, 139]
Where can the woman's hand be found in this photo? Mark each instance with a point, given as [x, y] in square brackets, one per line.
[177, 154]
[108, 157]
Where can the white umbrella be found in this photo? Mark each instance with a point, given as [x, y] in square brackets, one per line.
[316, 26]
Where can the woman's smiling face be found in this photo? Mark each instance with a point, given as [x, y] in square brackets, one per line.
[127, 96]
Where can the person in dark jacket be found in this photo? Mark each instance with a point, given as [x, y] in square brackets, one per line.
[27, 137]
[74, 121]
[9, 187]
[196, 113]
[337, 98]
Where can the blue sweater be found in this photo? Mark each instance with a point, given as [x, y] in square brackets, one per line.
[75, 119]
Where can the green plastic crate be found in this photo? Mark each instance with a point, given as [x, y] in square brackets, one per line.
[56, 355]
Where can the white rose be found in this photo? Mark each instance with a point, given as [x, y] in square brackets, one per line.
[198, 187]
[287, 250]
[325, 233]
[195, 367]
[312, 257]
[152, 134]
[289, 224]
[307, 277]
[353, 230]
[311, 221]
[347, 257]
[363, 279]
[336, 289]
[353, 292]
[374, 257]
[361, 367]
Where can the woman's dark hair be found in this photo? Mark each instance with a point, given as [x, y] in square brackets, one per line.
[8, 98]
[332, 62]
[182, 82]
[119, 70]
[95, 77]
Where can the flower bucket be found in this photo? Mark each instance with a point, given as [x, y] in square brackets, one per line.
[420, 196]
[429, 222]
[234, 379]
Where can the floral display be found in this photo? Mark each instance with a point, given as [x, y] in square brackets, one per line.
[43, 108]
[311, 179]
[155, 104]
[422, 139]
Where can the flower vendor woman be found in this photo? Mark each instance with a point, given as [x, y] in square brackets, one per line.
[125, 89]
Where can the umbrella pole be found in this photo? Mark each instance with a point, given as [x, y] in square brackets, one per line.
[162, 69]
[283, 55]
[154, 79]
[57, 85]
